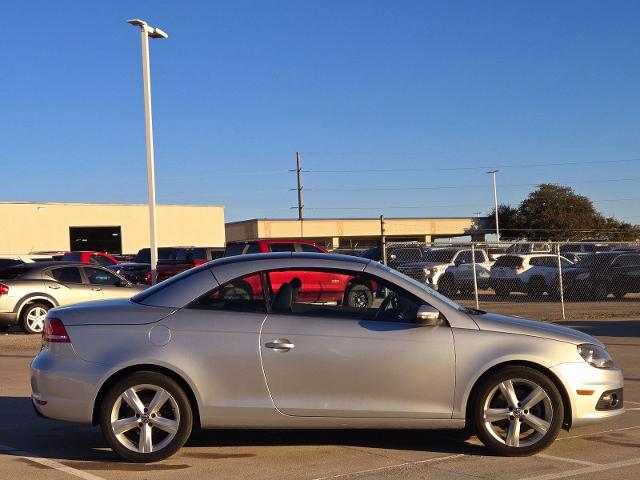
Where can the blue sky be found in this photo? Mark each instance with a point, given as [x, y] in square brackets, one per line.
[415, 86]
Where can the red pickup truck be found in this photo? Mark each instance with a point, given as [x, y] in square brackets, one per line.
[99, 258]
[315, 286]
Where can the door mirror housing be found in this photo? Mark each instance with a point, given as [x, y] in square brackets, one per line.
[428, 316]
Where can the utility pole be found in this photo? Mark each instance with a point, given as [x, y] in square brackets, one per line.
[147, 31]
[495, 202]
[383, 241]
[300, 200]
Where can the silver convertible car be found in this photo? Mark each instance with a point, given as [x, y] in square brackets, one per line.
[234, 344]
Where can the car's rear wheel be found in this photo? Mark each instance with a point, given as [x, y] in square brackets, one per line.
[32, 317]
[501, 291]
[517, 411]
[619, 294]
[146, 417]
[536, 287]
[359, 296]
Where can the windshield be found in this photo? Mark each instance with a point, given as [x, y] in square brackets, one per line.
[440, 256]
[422, 286]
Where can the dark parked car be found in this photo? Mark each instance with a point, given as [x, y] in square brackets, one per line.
[600, 274]
[397, 254]
[174, 260]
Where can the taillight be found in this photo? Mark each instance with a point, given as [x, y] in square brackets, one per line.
[54, 331]
[4, 289]
[519, 267]
[147, 278]
[199, 262]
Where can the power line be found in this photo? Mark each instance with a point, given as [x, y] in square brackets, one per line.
[447, 187]
[478, 167]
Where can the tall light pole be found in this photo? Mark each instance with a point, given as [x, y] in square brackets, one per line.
[145, 32]
[495, 202]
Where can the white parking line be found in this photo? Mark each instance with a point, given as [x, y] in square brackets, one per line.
[582, 471]
[388, 467]
[565, 459]
[629, 401]
[48, 463]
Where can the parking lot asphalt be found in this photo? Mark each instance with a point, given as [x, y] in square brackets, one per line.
[32, 447]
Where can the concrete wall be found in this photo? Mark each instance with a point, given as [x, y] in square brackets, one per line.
[27, 227]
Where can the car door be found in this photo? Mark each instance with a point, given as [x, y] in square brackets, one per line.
[625, 273]
[337, 361]
[66, 285]
[103, 284]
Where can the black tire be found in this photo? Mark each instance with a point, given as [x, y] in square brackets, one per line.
[358, 295]
[447, 286]
[552, 408]
[26, 324]
[536, 287]
[619, 294]
[184, 414]
[600, 291]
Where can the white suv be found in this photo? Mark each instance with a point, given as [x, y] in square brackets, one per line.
[450, 269]
[533, 274]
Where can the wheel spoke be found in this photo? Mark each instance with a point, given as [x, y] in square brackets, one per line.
[494, 414]
[537, 423]
[535, 397]
[145, 445]
[124, 425]
[158, 400]
[169, 426]
[513, 434]
[131, 397]
[509, 393]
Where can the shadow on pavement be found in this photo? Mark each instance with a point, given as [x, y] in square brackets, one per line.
[611, 328]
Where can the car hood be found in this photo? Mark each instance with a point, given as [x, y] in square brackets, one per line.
[520, 326]
[110, 312]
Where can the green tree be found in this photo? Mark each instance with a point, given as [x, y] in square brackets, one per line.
[553, 212]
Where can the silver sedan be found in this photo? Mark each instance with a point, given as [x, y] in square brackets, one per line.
[236, 343]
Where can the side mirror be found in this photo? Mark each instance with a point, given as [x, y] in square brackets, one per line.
[392, 256]
[428, 316]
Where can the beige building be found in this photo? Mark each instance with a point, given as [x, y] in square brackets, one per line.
[355, 232]
[116, 228]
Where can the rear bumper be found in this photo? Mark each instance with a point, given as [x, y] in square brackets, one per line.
[512, 284]
[580, 379]
[64, 386]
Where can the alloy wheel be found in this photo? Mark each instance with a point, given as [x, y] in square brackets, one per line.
[145, 418]
[35, 319]
[518, 412]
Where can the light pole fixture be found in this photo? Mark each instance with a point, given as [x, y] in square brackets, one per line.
[495, 202]
[147, 31]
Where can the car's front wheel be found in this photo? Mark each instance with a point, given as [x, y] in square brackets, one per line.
[146, 417]
[517, 411]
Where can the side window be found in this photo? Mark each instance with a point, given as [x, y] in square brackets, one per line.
[564, 262]
[97, 276]
[339, 294]
[67, 275]
[282, 247]
[534, 262]
[481, 256]
[239, 295]
[99, 260]
[7, 262]
[464, 257]
[252, 248]
[310, 248]
[627, 261]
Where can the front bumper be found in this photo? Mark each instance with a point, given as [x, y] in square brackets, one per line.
[585, 386]
[64, 386]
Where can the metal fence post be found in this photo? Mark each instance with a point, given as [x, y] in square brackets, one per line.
[383, 241]
[560, 285]
[475, 278]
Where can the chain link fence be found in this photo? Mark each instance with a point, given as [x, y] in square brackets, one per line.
[540, 280]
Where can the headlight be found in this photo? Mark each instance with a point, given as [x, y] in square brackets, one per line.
[434, 269]
[595, 356]
[582, 276]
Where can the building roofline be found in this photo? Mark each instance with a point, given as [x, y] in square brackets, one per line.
[110, 204]
[350, 219]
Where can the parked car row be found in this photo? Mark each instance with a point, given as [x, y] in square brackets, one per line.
[590, 271]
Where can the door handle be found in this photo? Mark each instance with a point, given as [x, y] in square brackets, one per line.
[96, 289]
[54, 287]
[280, 345]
